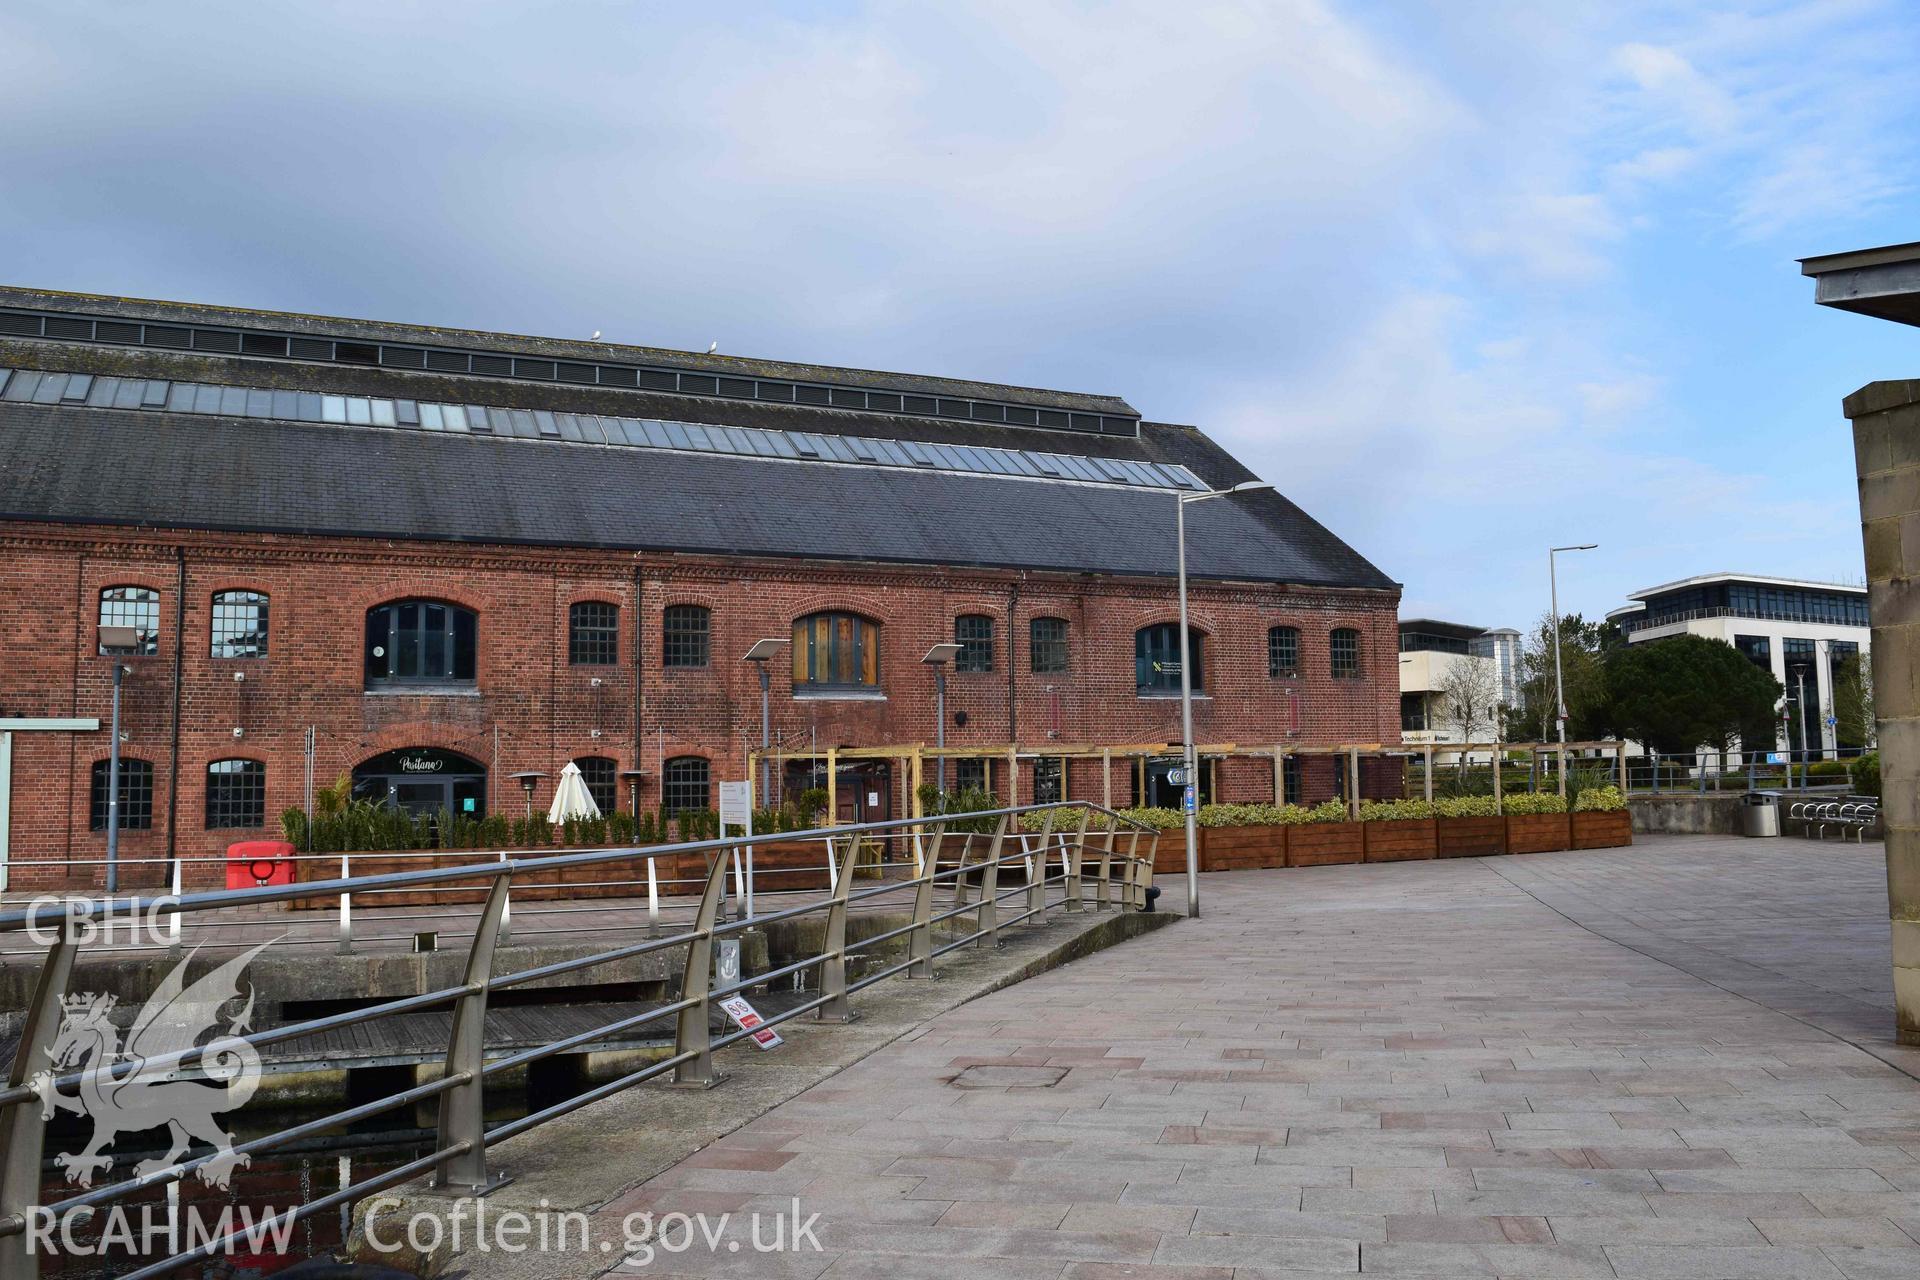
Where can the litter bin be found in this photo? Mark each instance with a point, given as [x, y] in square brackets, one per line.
[1760, 815]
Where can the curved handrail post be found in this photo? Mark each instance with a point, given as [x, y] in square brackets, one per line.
[463, 1109]
[920, 941]
[1037, 873]
[692, 1039]
[26, 1128]
[1073, 857]
[833, 969]
[988, 924]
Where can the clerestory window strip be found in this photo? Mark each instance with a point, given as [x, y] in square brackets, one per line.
[199, 398]
[227, 340]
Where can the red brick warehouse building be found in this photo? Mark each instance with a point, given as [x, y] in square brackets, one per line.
[463, 556]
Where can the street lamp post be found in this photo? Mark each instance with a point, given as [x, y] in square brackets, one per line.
[1559, 693]
[758, 655]
[938, 657]
[1189, 765]
[115, 641]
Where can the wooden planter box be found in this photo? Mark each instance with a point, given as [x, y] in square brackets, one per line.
[1537, 832]
[1171, 856]
[1602, 829]
[1317, 844]
[1242, 848]
[1471, 837]
[1401, 840]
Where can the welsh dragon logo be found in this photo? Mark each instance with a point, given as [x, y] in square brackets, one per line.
[121, 1093]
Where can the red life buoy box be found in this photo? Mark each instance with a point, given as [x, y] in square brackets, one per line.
[253, 863]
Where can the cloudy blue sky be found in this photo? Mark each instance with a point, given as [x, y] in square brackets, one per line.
[1464, 279]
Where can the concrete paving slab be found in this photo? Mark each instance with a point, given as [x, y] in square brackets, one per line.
[1670, 1061]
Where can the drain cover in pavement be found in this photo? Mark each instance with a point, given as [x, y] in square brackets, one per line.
[1009, 1077]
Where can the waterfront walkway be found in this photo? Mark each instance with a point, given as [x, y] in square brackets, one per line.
[1628, 1062]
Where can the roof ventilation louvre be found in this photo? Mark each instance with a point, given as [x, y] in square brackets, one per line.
[221, 340]
[62, 327]
[574, 373]
[1052, 418]
[403, 357]
[774, 391]
[847, 399]
[298, 348]
[19, 325]
[614, 376]
[447, 361]
[736, 387]
[1021, 417]
[356, 353]
[115, 331]
[1084, 422]
[954, 409]
[1119, 426]
[989, 413]
[698, 384]
[918, 404]
[655, 380]
[810, 395]
[493, 366]
[262, 344]
[541, 370]
[883, 402]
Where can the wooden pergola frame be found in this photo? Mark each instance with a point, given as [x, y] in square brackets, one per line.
[914, 755]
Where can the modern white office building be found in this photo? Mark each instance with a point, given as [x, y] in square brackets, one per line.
[1803, 632]
[1431, 652]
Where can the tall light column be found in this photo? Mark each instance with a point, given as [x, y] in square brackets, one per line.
[1190, 797]
[1559, 693]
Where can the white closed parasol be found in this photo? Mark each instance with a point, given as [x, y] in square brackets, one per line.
[571, 799]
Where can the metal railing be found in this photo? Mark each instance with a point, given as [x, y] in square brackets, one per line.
[971, 863]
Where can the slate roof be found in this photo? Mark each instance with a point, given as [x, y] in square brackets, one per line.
[70, 463]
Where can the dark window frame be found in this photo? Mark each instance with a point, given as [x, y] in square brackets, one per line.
[973, 632]
[136, 794]
[226, 609]
[457, 638]
[1047, 646]
[686, 637]
[236, 798]
[593, 633]
[128, 604]
[973, 773]
[1159, 642]
[602, 776]
[1283, 652]
[1343, 654]
[680, 774]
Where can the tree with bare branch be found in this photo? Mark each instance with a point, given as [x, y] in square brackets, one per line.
[1470, 697]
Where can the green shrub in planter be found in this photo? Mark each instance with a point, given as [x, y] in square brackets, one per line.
[1242, 815]
[1465, 807]
[1326, 811]
[1535, 802]
[1598, 800]
[1395, 810]
[1865, 773]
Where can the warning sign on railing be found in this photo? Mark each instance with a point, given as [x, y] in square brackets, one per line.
[748, 1019]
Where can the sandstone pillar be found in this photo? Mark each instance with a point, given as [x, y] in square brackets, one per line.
[1886, 444]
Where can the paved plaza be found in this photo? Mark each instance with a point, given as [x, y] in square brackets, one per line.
[1635, 1062]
